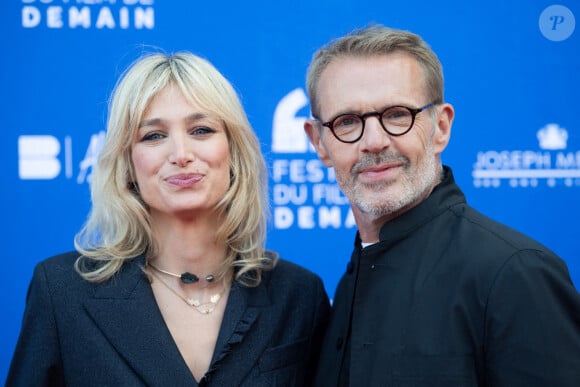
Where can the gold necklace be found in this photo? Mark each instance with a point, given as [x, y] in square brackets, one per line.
[202, 307]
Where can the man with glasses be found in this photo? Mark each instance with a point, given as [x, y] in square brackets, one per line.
[435, 293]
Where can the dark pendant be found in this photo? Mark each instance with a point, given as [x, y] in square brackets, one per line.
[188, 278]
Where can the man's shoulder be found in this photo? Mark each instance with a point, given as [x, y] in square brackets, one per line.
[499, 234]
[485, 245]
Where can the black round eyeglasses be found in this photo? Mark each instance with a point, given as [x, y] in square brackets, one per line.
[395, 120]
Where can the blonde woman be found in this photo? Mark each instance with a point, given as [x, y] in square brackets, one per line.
[170, 284]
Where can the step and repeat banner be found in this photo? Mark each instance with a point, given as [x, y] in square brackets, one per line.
[512, 72]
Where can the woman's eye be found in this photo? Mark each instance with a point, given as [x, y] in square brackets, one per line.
[202, 130]
[152, 136]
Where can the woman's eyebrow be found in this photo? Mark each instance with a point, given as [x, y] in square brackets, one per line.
[150, 122]
[157, 121]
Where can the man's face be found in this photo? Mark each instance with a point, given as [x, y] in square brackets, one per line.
[382, 175]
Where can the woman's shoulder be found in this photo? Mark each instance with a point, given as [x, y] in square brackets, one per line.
[58, 274]
[59, 260]
[291, 267]
[293, 273]
[289, 283]
[60, 263]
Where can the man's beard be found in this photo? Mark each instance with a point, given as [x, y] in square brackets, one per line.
[388, 197]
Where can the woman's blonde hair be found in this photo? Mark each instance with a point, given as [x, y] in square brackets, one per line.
[118, 227]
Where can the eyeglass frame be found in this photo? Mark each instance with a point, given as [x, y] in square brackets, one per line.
[363, 117]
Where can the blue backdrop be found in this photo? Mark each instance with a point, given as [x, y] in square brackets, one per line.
[511, 67]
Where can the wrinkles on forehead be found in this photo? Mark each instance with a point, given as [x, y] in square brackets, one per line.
[356, 85]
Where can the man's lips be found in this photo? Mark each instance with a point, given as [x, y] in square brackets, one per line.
[184, 179]
[379, 171]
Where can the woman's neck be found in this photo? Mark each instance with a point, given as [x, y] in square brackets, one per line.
[188, 245]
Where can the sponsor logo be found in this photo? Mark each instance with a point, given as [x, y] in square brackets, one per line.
[305, 194]
[552, 164]
[88, 14]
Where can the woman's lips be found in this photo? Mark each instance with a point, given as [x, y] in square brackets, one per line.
[184, 179]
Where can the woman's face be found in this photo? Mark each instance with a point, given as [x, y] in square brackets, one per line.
[181, 157]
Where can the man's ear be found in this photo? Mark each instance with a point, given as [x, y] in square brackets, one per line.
[311, 127]
[443, 129]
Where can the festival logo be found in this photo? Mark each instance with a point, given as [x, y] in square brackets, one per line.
[305, 194]
[551, 164]
[88, 14]
[42, 157]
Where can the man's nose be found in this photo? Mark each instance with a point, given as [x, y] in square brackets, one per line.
[374, 138]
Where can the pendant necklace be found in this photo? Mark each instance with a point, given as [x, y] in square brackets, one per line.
[186, 278]
[202, 307]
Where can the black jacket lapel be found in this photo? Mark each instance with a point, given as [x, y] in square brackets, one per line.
[243, 310]
[126, 312]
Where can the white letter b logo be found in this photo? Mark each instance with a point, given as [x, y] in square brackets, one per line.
[37, 157]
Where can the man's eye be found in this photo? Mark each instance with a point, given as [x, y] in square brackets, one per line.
[396, 113]
[346, 121]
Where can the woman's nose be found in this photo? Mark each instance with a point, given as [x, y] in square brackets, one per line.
[181, 152]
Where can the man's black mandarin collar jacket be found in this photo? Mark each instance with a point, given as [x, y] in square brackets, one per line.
[449, 297]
